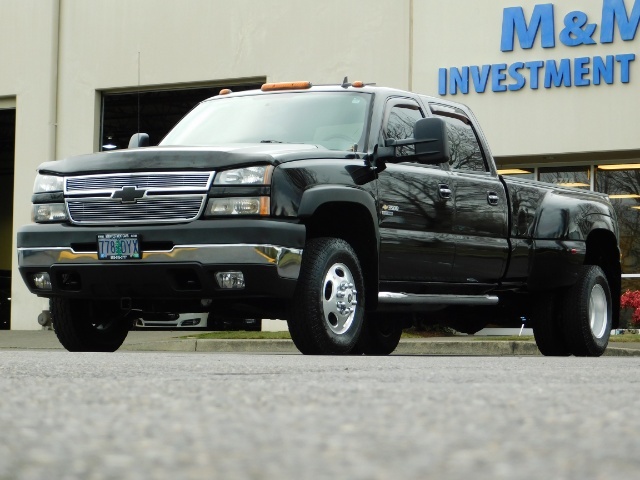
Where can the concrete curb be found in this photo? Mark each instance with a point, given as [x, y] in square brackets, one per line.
[621, 352]
[177, 345]
[495, 348]
[408, 347]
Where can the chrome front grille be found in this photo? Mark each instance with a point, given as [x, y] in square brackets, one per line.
[157, 197]
[152, 210]
[165, 181]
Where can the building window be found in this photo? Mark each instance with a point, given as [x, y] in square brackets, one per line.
[622, 184]
[575, 177]
[7, 152]
[528, 173]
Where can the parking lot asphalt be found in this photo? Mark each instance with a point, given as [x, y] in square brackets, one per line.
[180, 341]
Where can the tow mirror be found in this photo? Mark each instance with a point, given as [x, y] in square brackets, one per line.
[139, 140]
[430, 141]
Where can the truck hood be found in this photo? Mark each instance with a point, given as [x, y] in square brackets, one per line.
[188, 158]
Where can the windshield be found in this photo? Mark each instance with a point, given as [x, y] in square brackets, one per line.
[333, 120]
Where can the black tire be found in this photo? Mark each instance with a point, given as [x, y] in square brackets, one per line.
[547, 327]
[329, 284]
[89, 326]
[380, 335]
[587, 313]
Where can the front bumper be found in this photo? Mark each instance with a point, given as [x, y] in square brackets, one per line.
[178, 261]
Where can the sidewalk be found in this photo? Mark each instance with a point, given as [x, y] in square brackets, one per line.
[175, 341]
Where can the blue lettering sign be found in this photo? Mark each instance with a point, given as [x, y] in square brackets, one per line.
[615, 11]
[566, 72]
[459, 79]
[497, 77]
[603, 69]
[480, 77]
[513, 22]
[534, 67]
[514, 71]
[577, 31]
[580, 70]
[442, 81]
[624, 61]
[557, 75]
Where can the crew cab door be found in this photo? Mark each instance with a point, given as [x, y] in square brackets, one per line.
[481, 208]
[416, 207]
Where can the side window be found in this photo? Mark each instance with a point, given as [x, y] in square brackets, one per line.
[399, 125]
[466, 153]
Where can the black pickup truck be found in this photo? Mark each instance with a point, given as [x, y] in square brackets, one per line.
[348, 210]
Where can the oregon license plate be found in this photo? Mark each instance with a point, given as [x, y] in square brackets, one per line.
[119, 246]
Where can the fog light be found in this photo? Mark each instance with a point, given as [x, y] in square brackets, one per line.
[230, 279]
[49, 212]
[42, 280]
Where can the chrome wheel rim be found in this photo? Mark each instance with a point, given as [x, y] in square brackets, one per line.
[339, 299]
[598, 311]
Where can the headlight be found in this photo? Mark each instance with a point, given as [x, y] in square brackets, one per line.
[49, 212]
[245, 176]
[237, 206]
[48, 183]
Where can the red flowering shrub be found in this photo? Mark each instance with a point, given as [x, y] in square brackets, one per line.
[631, 299]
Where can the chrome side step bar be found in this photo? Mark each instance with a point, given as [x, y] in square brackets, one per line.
[393, 298]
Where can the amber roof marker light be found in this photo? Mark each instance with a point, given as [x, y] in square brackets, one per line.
[356, 84]
[270, 87]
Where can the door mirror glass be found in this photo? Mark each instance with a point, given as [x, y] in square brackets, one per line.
[429, 140]
[432, 143]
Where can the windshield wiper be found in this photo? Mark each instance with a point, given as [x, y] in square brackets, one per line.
[271, 141]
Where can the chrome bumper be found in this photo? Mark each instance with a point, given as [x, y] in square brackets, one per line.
[287, 260]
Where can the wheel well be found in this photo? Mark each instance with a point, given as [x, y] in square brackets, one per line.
[353, 223]
[602, 250]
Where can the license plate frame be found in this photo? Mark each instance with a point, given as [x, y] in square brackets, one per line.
[119, 246]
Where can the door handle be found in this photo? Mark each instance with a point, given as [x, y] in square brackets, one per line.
[444, 191]
[492, 198]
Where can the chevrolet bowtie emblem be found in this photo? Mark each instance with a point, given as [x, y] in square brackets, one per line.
[128, 194]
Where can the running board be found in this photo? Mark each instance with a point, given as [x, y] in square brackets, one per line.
[393, 298]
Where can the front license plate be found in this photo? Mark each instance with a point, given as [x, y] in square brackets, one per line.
[119, 246]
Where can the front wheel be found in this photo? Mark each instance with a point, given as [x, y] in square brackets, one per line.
[89, 326]
[587, 313]
[328, 306]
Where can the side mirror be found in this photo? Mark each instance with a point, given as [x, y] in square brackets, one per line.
[430, 141]
[139, 140]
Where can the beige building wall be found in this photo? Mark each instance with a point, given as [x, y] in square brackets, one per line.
[110, 44]
[28, 36]
[120, 44]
